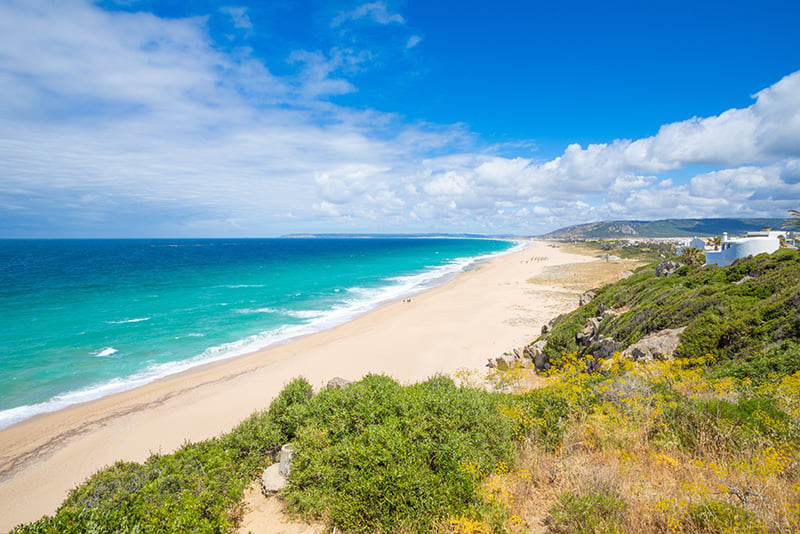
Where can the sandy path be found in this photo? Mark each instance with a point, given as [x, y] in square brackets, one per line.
[479, 314]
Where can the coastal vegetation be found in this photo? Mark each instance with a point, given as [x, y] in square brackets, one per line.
[702, 442]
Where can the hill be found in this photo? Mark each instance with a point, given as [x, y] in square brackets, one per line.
[662, 228]
[705, 442]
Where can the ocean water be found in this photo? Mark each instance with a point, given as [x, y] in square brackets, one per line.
[81, 319]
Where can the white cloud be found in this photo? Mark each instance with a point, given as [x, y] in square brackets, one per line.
[239, 17]
[137, 124]
[376, 12]
[413, 41]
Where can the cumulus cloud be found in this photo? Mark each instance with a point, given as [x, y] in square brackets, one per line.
[377, 12]
[239, 17]
[129, 124]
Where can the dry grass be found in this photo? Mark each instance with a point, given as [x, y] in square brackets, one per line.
[582, 276]
[621, 468]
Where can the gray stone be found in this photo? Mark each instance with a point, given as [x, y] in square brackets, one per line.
[274, 477]
[285, 462]
[589, 331]
[504, 362]
[658, 346]
[535, 353]
[666, 268]
[603, 348]
[271, 480]
[586, 297]
[336, 383]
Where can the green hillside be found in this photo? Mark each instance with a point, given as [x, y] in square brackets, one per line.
[663, 228]
[744, 317]
[704, 443]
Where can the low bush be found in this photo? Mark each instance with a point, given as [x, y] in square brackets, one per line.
[597, 511]
[379, 457]
[718, 517]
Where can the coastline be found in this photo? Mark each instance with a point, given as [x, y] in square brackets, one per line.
[480, 313]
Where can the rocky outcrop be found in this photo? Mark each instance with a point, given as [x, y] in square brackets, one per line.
[589, 332]
[603, 347]
[337, 383]
[658, 346]
[586, 297]
[501, 363]
[668, 267]
[535, 353]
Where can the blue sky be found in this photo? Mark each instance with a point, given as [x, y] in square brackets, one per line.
[137, 118]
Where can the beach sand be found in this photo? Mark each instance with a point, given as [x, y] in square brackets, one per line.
[482, 313]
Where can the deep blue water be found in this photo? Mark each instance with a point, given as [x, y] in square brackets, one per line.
[80, 319]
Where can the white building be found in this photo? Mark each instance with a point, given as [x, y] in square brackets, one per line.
[697, 243]
[753, 243]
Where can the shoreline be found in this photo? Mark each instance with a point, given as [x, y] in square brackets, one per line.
[423, 281]
[479, 313]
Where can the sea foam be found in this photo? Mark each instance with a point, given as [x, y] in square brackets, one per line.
[352, 302]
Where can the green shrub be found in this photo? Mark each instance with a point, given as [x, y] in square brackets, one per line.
[714, 516]
[287, 410]
[781, 359]
[379, 457]
[723, 426]
[745, 312]
[597, 511]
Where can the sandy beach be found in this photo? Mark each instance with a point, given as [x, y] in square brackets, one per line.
[482, 313]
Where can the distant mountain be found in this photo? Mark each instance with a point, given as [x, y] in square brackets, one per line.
[384, 236]
[663, 228]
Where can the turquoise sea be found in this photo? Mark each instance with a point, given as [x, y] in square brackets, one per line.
[81, 319]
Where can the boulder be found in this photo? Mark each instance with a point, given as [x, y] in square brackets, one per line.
[271, 480]
[274, 477]
[586, 297]
[337, 383]
[589, 331]
[658, 346]
[503, 362]
[668, 267]
[535, 353]
[603, 347]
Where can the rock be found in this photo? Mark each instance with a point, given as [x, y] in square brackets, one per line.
[608, 313]
[535, 353]
[337, 383]
[586, 297]
[658, 346]
[285, 463]
[274, 477]
[271, 479]
[666, 268]
[603, 347]
[545, 329]
[589, 331]
[503, 362]
[540, 360]
[624, 274]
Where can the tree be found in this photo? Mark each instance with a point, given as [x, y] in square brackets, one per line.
[714, 242]
[693, 256]
[793, 221]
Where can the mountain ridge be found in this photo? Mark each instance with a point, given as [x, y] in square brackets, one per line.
[664, 228]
